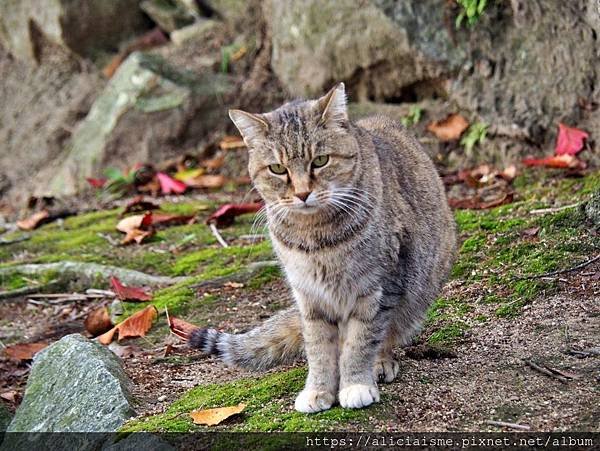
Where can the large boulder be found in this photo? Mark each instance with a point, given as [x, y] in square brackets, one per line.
[82, 26]
[523, 64]
[149, 111]
[75, 385]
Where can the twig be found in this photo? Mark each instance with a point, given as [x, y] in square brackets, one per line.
[103, 293]
[25, 290]
[561, 271]
[543, 211]
[546, 371]
[4, 241]
[215, 232]
[521, 427]
[91, 271]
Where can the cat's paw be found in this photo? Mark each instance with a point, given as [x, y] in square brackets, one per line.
[311, 401]
[358, 395]
[385, 370]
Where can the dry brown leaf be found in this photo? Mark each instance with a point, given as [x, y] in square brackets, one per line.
[231, 142]
[24, 351]
[179, 327]
[98, 322]
[137, 325]
[212, 417]
[214, 163]
[137, 235]
[130, 223]
[34, 220]
[206, 181]
[450, 128]
[9, 396]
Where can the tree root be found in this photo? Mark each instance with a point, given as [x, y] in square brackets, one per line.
[68, 271]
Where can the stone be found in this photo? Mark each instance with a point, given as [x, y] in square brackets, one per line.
[508, 68]
[592, 209]
[235, 11]
[75, 385]
[196, 32]
[81, 26]
[148, 112]
[167, 14]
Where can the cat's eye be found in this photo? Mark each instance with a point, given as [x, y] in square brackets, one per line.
[277, 169]
[320, 161]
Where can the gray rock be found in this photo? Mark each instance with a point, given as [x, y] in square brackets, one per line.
[168, 15]
[76, 385]
[149, 111]
[82, 26]
[523, 64]
[5, 417]
[592, 209]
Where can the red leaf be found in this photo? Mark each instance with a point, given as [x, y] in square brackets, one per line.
[24, 351]
[128, 293]
[181, 328]
[225, 215]
[569, 140]
[564, 161]
[476, 203]
[169, 185]
[96, 183]
[165, 219]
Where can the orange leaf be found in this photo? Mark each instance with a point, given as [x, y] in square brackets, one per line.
[137, 325]
[180, 328]
[98, 321]
[569, 140]
[450, 128]
[34, 220]
[231, 142]
[206, 181]
[24, 351]
[564, 161]
[212, 417]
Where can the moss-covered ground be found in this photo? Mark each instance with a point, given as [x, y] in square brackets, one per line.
[502, 250]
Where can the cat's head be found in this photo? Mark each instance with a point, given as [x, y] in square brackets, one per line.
[302, 155]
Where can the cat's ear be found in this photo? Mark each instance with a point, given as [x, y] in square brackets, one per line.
[332, 106]
[251, 126]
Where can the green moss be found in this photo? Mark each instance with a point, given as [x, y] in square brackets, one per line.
[264, 276]
[449, 333]
[268, 407]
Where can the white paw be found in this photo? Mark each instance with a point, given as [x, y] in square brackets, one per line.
[358, 395]
[311, 401]
[385, 370]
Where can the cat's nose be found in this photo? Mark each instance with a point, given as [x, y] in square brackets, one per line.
[303, 196]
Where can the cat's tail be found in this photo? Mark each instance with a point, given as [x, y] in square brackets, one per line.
[277, 341]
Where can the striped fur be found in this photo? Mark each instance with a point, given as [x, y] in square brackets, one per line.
[365, 253]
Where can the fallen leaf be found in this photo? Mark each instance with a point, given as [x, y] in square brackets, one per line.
[509, 173]
[214, 163]
[564, 161]
[226, 214]
[450, 128]
[233, 284]
[530, 232]
[170, 185]
[212, 417]
[34, 221]
[24, 351]
[135, 222]
[179, 327]
[129, 293]
[98, 321]
[207, 181]
[476, 203]
[137, 204]
[231, 142]
[9, 396]
[137, 235]
[137, 325]
[569, 140]
[96, 183]
[186, 174]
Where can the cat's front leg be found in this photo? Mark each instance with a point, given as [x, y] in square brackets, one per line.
[320, 335]
[362, 336]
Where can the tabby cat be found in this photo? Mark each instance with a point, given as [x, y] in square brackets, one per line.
[359, 221]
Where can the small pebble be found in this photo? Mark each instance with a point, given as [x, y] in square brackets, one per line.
[162, 398]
